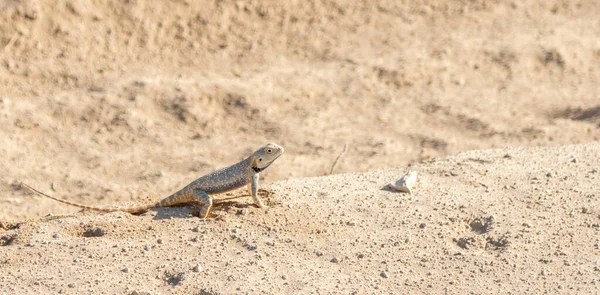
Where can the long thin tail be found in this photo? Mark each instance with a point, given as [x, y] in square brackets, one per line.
[100, 209]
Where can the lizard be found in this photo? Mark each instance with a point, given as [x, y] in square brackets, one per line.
[246, 172]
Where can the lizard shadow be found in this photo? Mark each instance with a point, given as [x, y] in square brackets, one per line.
[191, 210]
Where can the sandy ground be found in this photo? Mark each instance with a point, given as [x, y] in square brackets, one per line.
[115, 102]
[505, 221]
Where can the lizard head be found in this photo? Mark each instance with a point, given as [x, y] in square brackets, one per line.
[265, 156]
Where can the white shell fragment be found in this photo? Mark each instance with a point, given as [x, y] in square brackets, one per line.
[405, 184]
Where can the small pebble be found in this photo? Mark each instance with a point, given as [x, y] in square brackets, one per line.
[71, 285]
[196, 229]
[422, 225]
[384, 275]
[334, 260]
[197, 268]
[319, 253]
[56, 236]
[160, 241]
[243, 212]
[125, 270]
[76, 260]
[252, 247]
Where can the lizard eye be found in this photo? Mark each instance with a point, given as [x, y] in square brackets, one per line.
[269, 151]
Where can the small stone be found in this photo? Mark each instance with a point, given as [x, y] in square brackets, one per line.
[283, 277]
[319, 253]
[334, 260]
[160, 241]
[71, 285]
[195, 239]
[360, 255]
[197, 268]
[147, 247]
[574, 160]
[125, 269]
[252, 247]
[76, 260]
[422, 225]
[56, 236]
[384, 275]
[243, 212]
[549, 174]
[350, 223]
[235, 231]
[196, 229]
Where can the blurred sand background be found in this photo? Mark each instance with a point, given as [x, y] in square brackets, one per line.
[106, 102]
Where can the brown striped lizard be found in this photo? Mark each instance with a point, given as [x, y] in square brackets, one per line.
[246, 172]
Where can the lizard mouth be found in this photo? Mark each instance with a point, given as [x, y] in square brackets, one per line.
[259, 169]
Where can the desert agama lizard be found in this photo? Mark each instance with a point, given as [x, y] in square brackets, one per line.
[246, 172]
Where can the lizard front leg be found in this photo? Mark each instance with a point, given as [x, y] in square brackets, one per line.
[253, 191]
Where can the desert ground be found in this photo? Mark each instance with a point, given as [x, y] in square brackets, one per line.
[494, 103]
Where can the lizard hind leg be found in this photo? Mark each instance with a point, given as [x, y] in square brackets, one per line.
[203, 198]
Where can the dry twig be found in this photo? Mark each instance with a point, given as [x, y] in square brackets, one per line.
[338, 158]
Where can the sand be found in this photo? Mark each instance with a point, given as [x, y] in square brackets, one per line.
[495, 105]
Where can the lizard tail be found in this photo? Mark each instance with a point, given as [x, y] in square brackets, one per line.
[100, 209]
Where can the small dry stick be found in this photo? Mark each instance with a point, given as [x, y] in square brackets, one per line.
[338, 158]
[10, 43]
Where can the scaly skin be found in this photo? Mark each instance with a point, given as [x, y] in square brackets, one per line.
[246, 172]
